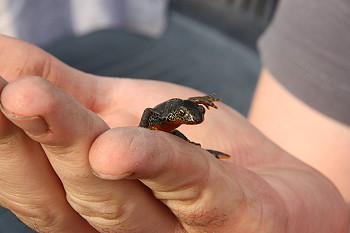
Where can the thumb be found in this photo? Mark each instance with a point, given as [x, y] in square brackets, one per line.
[205, 194]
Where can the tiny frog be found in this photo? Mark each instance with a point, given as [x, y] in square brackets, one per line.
[172, 113]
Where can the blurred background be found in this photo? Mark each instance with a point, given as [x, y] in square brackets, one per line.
[209, 45]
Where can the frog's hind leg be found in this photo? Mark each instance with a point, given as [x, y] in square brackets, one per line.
[216, 154]
[181, 135]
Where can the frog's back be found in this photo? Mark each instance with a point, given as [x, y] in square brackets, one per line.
[168, 106]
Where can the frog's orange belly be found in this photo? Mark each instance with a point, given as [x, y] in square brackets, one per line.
[166, 127]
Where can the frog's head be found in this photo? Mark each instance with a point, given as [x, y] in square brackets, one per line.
[188, 113]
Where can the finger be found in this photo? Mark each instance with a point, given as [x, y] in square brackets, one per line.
[19, 59]
[28, 185]
[206, 194]
[70, 130]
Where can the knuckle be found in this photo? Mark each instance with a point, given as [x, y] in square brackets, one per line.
[42, 216]
[88, 206]
[39, 217]
[104, 214]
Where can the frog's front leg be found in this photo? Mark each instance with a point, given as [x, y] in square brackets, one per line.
[181, 135]
[207, 100]
[149, 117]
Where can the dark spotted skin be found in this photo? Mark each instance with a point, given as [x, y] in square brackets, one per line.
[172, 113]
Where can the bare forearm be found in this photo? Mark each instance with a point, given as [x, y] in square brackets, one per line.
[312, 201]
[305, 133]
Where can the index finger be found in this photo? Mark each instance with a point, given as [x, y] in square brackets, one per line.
[19, 59]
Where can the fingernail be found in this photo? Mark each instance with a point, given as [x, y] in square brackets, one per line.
[35, 125]
[113, 177]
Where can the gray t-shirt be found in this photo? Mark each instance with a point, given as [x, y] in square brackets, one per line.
[307, 49]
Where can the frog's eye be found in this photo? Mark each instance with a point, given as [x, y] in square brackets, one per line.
[182, 112]
[201, 108]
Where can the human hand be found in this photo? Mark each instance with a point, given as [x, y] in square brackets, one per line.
[203, 193]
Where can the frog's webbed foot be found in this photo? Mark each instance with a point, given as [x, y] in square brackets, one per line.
[218, 154]
[207, 100]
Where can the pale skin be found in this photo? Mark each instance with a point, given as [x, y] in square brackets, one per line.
[63, 169]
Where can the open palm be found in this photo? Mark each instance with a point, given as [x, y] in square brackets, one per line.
[151, 181]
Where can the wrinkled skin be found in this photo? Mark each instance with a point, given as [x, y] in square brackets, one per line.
[63, 169]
